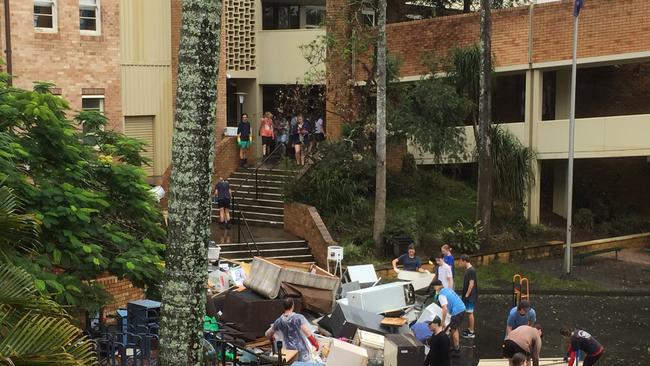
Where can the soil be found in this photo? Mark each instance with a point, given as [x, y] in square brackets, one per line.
[620, 323]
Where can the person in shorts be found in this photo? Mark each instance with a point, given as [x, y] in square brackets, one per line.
[526, 340]
[244, 139]
[319, 131]
[452, 305]
[267, 133]
[469, 294]
[222, 193]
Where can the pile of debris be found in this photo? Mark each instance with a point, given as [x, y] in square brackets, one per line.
[358, 322]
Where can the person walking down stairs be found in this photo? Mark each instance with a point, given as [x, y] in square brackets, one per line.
[222, 194]
[244, 139]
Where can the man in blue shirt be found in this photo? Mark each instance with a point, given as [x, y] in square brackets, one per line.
[521, 314]
[453, 305]
[408, 261]
[244, 138]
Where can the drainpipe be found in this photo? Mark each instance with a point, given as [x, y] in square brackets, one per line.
[8, 40]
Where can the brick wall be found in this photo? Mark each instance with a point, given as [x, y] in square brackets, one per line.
[304, 222]
[70, 60]
[121, 290]
[606, 28]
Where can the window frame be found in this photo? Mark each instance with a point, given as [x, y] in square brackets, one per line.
[55, 24]
[303, 20]
[101, 99]
[98, 19]
[369, 13]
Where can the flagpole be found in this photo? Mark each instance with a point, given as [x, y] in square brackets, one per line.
[568, 257]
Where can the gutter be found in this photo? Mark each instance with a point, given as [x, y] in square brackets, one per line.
[7, 11]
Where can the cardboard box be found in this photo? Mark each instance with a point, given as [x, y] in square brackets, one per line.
[342, 353]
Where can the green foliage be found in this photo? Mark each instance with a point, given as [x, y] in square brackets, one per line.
[464, 70]
[338, 183]
[87, 190]
[428, 112]
[584, 219]
[512, 167]
[36, 330]
[464, 237]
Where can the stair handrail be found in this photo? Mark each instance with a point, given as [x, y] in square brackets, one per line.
[250, 234]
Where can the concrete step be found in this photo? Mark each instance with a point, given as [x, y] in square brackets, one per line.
[254, 208]
[262, 201]
[265, 252]
[260, 175]
[250, 193]
[250, 187]
[274, 171]
[235, 182]
[266, 245]
[303, 258]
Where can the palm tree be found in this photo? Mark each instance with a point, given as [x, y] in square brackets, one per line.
[34, 329]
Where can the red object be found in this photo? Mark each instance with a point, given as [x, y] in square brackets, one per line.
[313, 342]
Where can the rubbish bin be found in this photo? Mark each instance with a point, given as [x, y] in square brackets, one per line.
[397, 245]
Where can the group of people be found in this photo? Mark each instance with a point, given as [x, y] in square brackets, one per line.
[523, 336]
[298, 134]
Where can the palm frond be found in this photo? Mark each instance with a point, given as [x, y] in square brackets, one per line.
[38, 339]
[17, 290]
[19, 231]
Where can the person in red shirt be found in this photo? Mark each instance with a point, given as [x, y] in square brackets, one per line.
[579, 340]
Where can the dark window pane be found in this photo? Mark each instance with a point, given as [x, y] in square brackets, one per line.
[314, 17]
[43, 21]
[267, 17]
[42, 9]
[294, 17]
[87, 24]
[283, 17]
[87, 13]
[91, 103]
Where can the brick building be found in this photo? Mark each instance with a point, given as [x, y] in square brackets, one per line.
[532, 51]
[109, 55]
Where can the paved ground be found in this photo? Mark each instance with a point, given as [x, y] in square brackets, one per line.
[619, 323]
[629, 272]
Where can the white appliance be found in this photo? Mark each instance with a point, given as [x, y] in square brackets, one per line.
[420, 280]
[383, 298]
[431, 312]
[342, 353]
[364, 274]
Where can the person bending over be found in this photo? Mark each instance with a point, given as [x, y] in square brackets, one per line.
[580, 340]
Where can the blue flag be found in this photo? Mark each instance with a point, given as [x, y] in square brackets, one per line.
[579, 4]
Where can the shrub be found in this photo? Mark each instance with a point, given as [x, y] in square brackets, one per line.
[463, 236]
[584, 219]
[338, 183]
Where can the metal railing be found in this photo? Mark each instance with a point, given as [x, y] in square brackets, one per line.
[238, 213]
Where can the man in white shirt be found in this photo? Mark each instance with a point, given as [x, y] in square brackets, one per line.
[444, 273]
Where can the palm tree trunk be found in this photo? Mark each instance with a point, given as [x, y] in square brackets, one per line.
[183, 294]
[380, 183]
[485, 117]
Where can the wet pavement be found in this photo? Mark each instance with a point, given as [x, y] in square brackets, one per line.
[620, 323]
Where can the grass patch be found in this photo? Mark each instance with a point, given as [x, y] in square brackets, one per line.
[499, 276]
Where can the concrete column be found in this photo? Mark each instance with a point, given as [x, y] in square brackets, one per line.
[559, 187]
[252, 106]
[533, 115]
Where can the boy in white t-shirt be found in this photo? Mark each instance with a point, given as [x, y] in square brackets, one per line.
[444, 273]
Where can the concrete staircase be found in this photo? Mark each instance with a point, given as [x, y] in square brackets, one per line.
[264, 214]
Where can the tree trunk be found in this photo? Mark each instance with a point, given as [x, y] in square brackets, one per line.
[183, 293]
[485, 116]
[380, 191]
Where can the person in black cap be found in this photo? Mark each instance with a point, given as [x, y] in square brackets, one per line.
[438, 345]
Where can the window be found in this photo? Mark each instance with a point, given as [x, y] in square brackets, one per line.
[314, 16]
[45, 15]
[368, 17]
[89, 16]
[280, 16]
[91, 103]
